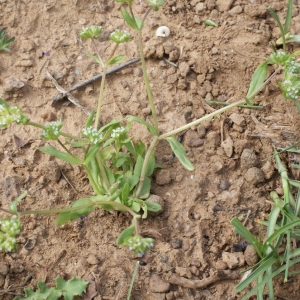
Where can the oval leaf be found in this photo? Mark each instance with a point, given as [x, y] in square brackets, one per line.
[258, 79]
[125, 234]
[180, 153]
[150, 128]
[128, 19]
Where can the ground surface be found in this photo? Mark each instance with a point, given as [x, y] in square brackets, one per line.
[194, 230]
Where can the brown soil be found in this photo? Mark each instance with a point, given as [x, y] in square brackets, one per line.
[194, 230]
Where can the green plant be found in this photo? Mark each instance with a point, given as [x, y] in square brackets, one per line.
[282, 225]
[119, 169]
[4, 42]
[66, 289]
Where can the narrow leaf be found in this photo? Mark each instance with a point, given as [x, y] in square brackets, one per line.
[90, 119]
[288, 18]
[128, 19]
[93, 57]
[180, 153]
[72, 159]
[151, 206]
[117, 59]
[150, 128]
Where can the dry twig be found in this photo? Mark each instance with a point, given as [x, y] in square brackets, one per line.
[216, 275]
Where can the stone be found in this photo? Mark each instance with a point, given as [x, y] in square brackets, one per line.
[157, 285]
[156, 199]
[236, 10]
[224, 185]
[212, 139]
[211, 4]
[192, 139]
[268, 169]
[251, 256]
[200, 7]
[248, 159]
[183, 272]
[184, 69]
[186, 244]
[17, 266]
[201, 131]
[216, 167]
[12, 84]
[163, 177]
[227, 146]
[254, 175]
[176, 243]
[233, 260]
[194, 271]
[256, 10]
[92, 259]
[4, 269]
[237, 119]
[224, 5]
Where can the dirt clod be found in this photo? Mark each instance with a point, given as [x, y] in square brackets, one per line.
[233, 260]
[163, 177]
[227, 145]
[248, 158]
[4, 269]
[176, 243]
[251, 256]
[157, 285]
[254, 175]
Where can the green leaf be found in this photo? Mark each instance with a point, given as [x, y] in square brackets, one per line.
[288, 18]
[210, 23]
[151, 164]
[94, 57]
[150, 128]
[125, 193]
[180, 153]
[258, 79]
[4, 103]
[125, 234]
[91, 154]
[71, 288]
[145, 191]
[247, 235]
[90, 119]
[72, 159]
[151, 206]
[138, 166]
[107, 153]
[139, 22]
[117, 59]
[128, 19]
[13, 206]
[79, 144]
[64, 217]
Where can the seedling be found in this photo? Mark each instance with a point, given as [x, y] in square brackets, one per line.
[4, 42]
[66, 289]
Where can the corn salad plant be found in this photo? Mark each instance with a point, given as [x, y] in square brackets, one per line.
[119, 170]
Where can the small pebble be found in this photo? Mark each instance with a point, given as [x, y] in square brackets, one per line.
[254, 175]
[233, 260]
[224, 185]
[248, 158]
[3, 269]
[157, 285]
[192, 139]
[163, 177]
[92, 259]
[227, 145]
[217, 167]
[176, 243]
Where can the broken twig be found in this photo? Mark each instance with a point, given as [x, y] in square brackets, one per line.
[84, 83]
[62, 90]
[215, 275]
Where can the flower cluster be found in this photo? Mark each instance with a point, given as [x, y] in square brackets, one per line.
[290, 87]
[119, 36]
[91, 32]
[116, 132]
[11, 114]
[139, 245]
[9, 229]
[280, 58]
[52, 130]
[92, 135]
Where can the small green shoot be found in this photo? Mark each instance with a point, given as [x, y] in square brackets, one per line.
[4, 42]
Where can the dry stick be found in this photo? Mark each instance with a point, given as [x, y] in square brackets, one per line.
[62, 90]
[84, 83]
[215, 276]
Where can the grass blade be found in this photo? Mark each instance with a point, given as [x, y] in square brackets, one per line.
[288, 18]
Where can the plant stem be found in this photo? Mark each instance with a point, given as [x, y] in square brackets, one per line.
[65, 148]
[135, 271]
[94, 185]
[145, 164]
[100, 97]
[61, 133]
[205, 118]
[146, 80]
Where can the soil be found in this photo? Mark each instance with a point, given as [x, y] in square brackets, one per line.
[233, 173]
